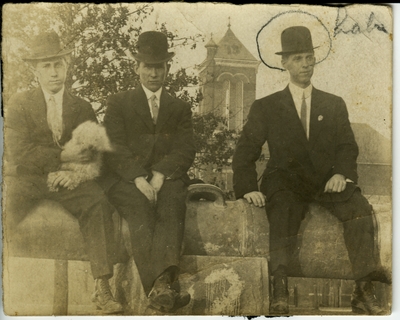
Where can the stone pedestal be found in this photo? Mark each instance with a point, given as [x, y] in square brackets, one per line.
[217, 285]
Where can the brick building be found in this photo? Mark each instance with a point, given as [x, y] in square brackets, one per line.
[228, 86]
[228, 79]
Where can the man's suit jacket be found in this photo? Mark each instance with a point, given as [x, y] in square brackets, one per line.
[29, 145]
[167, 147]
[297, 164]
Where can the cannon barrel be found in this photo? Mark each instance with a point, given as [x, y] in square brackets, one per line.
[226, 245]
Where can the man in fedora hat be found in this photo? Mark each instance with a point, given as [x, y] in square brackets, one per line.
[38, 123]
[313, 157]
[153, 136]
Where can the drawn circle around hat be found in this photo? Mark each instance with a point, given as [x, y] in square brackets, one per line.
[269, 37]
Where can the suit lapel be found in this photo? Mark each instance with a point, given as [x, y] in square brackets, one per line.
[291, 119]
[141, 106]
[39, 110]
[165, 110]
[70, 112]
[316, 116]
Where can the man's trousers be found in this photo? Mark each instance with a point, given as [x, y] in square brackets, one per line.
[286, 210]
[87, 203]
[156, 231]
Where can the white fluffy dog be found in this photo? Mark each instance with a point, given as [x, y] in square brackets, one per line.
[87, 136]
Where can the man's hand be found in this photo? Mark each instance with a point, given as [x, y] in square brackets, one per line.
[83, 156]
[59, 179]
[336, 184]
[255, 197]
[147, 189]
[157, 181]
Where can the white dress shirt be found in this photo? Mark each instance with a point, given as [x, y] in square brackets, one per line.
[297, 95]
[58, 98]
[149, 94]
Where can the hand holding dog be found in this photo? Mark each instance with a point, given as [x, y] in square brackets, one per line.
[60, 179]
[81, 157]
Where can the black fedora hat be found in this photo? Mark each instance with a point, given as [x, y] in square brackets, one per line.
[296, 40]
[47, 45]
[152, 47]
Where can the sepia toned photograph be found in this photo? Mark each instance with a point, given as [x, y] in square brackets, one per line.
[197, 159]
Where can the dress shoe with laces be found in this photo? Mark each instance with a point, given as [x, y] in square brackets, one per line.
[363, 299]
[103, 298]
[280, 300]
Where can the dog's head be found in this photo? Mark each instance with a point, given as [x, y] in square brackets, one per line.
[90, 135]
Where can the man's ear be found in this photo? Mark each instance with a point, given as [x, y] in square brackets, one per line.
[67, 60]
[33, 70]
[283, 62]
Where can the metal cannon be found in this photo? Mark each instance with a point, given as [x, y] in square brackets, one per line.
[224, 264]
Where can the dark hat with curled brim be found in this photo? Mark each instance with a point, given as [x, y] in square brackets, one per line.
[47, 45]
[152, 48]
[296, 40]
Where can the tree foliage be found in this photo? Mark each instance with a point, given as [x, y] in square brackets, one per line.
[103, 38]
[214, 143]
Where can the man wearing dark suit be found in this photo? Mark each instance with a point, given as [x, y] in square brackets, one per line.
[313, 157]
[37, 124]
[153, 136]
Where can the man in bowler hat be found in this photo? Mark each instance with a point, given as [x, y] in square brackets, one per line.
[38, 123]
[147, 183]
[313, 157]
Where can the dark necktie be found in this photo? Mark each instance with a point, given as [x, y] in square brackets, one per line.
[154, 108]
[303, 113]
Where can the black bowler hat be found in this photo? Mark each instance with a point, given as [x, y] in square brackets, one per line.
[152, 47]
[296, 40]
[47, 45]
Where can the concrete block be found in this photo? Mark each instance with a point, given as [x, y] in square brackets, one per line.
[217, 285]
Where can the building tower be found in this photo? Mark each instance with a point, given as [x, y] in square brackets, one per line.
[228, 79]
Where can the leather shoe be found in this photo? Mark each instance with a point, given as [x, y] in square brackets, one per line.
[280, 300]
[161, 295]
[165, 299]
[103, 298]
[168, 300]
[363, 299]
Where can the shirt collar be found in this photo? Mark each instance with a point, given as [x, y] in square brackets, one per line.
[58, 97]
[150, 93]
[297, 92]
